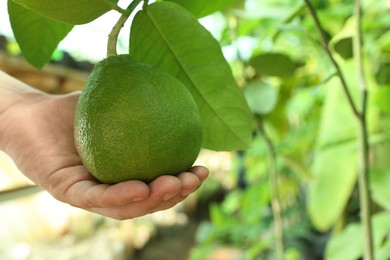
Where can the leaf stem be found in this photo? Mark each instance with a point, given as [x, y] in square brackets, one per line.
[113, 36]
[275, 201]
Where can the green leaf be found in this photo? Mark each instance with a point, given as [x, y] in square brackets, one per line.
[201, 8]
[344, 47]
[261, 97]
[70, 11]
[383, 253]
[382, 75]
[335, 174]
[338, 124]
[348, 245]
[381, 228]
[37, 36]
[335, 163]
[273, 64]
[381, 97]
[217, 216]
[254, 199]
[380, 183]
[165, 35]
[342, 41]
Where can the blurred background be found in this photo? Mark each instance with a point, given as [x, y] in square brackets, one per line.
[303, 156]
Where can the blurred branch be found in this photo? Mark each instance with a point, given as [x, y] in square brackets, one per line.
[325, 45]
[17, 193]
[275, 201]
[363, 180]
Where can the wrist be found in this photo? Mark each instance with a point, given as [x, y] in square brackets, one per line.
[13, 91]
[13, 95]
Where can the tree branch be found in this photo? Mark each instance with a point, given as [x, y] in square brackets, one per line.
[363, 180]
[275, 201]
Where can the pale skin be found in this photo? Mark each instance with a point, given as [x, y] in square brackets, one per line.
[36, 130]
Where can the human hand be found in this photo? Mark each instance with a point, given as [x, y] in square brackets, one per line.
[37, 132]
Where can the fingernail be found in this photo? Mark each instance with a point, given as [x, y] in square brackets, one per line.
[168, 196]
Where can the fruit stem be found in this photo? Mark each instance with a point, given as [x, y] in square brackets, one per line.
[113, 36]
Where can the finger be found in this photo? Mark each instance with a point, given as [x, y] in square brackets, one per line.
[166, 192]
[161, 191]
[189, 182]
[120, 194]
[90, 194]
[200, 171]
[164, 188]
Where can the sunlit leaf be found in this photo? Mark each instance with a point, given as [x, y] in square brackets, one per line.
[335, 171]
[70, 11]
[348, 245]
[380, 183]
[383, 253]
[201, 8]
[335, 163]
[167, 36]
[37, 36]
[384, 42]
[338, 124]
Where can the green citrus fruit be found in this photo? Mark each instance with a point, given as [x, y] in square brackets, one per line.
[134, 122]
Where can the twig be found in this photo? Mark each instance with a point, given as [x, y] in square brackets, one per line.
[275, 201]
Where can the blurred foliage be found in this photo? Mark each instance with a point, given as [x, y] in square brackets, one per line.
[274, 51]
[291, 87]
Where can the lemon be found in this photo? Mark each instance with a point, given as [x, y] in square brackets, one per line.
[135, 122]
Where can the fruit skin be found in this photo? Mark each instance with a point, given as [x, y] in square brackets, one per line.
[134, 122]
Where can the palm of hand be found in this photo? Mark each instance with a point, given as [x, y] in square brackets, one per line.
[41, 143]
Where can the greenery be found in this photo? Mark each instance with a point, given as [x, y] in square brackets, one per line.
[314, 74]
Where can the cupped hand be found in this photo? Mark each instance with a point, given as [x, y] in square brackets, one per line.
[37, 132]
